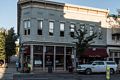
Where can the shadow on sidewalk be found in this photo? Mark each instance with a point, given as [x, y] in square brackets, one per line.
[7, 71]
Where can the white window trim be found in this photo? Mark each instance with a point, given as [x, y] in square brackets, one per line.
[51, 29]
[63, 27]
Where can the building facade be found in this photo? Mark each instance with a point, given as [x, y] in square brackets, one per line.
[46, 29]
[113, 38]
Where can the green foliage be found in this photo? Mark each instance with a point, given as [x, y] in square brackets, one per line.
[113, 15]
[2, 44]
[10, 43]
[83, 40]
[116, 17]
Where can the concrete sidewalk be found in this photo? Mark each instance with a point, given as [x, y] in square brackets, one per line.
[10, 71]
[6, 73]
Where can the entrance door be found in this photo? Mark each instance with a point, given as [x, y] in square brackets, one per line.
[59, 61]
[38, 57]
[49, 58]
[68, 61]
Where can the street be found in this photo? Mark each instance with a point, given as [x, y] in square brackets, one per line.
[63, 76]
[10, 73]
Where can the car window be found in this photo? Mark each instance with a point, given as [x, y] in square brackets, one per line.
[89, 62]
[99, 63]
[111, 63]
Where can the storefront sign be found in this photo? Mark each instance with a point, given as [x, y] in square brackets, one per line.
[72, 56]
[38, 62]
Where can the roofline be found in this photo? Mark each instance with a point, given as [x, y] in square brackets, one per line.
[86, 7]
[65, 4]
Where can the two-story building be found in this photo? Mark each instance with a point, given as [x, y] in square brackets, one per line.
[113, 38]
[46, 29]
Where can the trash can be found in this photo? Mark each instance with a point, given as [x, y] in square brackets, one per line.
[49, 69]
[70, 69]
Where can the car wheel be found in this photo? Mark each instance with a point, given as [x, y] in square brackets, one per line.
[88, 71]
[111, 71]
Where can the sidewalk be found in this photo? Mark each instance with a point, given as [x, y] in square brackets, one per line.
[46, 71]
[6, 73]
[10, 71]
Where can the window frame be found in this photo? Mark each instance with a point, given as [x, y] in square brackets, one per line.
[40, 27]
[72, 29]
[82, 26]
[26, 26]
[100, 33]
[51, 28]
[62, 29]
[91, 30]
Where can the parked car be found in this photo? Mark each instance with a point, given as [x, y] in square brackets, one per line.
[97, 66]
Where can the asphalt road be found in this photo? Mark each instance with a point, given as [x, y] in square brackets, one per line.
[10, 73]
[64, 76]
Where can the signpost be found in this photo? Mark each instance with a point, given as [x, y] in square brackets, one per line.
[22, 56]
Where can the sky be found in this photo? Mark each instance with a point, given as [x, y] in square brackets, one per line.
[8, 9]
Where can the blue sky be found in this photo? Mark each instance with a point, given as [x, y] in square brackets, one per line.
[8, 9]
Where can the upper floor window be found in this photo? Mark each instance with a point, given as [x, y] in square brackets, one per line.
[26, 27]
[28, 24]
[91, 30]
[72, 28]
[113, 37]
[51, 28]
[40, 26]
[62, 26]
[116, 37]
[82, 27]
[99, 33]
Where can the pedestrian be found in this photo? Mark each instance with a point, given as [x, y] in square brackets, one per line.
[29, 67]
[17, 65]
[25, 67]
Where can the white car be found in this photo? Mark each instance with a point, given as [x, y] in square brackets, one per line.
[97, 66]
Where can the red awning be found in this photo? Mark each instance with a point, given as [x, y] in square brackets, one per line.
[27, 49]
[95, 52]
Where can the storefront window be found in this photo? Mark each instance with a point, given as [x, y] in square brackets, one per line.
[59, 61]
[68, 50]
[110, 59]
[49, 49]
[110, 54]
[116, 54]
[49, 58]
[38, 60]
[59, 50]
[38, 49]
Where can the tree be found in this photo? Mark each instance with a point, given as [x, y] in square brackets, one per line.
[2, 44]
[83, 39]
[116, 18]
[10, 43]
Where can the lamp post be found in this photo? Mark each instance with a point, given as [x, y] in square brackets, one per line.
[21, 52]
